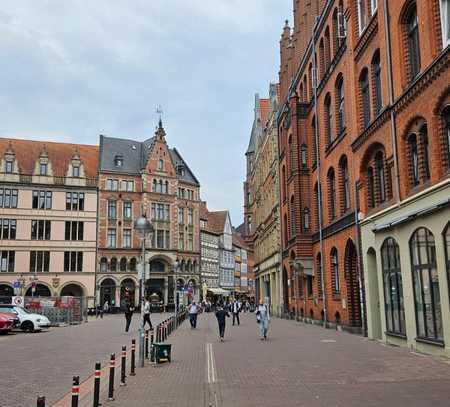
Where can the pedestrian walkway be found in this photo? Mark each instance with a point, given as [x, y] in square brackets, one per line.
[300, 365]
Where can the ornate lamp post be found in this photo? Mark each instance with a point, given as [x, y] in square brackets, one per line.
[142, 226]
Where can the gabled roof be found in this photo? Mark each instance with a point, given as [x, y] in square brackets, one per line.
[262, 107]
[238, 240]
[187, 175]
[27, 153]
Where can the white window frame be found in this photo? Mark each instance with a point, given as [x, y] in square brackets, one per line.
[360, 22]
[445, 22]
[373, 6]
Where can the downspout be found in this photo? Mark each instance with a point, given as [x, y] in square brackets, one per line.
[319, 187]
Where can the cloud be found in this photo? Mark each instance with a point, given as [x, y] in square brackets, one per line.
[74, 69]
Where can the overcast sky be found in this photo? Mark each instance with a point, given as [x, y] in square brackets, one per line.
[73, 69]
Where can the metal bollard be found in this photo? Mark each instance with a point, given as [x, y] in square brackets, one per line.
[133, 358]
[123, 365]
[146, 345]
[40, 401]
[152, 352]
[75, 390]
[97, 375]
[112, 369]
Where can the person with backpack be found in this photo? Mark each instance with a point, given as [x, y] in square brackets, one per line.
[262, 319]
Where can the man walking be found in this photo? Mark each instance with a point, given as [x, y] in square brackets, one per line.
[193, 311]
[221, 315]
[236, 309]
[147, 314]
[129, 309]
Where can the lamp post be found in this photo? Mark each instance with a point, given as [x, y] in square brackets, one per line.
[298, 268]
[175, 286]
[142, 226]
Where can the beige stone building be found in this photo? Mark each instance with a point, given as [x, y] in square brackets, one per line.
[262, 219]
[48, 218]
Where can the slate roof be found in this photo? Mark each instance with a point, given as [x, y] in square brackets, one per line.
[239, 241]
[27, 153]
[135, 156]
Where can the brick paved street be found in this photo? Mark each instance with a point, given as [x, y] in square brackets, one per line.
[45, 362]
[300, 365]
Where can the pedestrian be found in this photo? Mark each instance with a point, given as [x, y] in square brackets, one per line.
[193, 311]
[262, 318]
[236, 309]
[106, 307]
[129, 309]
[221, 315]
[147, 314]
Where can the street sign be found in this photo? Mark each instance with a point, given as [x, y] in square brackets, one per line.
[17, 300]
[17, 284]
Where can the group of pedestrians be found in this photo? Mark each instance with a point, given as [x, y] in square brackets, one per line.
[129, 310]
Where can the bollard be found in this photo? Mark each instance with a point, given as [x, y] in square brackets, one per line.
[123, 365]
[40, 401]
[133, 357]
[97, 375]
[146, 345]
[75, 390]
[112, 368]
[152, 351]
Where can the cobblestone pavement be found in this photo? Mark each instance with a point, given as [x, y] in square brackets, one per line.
[300, 365]
[44, 362]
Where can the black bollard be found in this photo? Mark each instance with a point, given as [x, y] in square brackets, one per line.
[146, 345]
[133, 358]
[97, 375]
[75, 390]
[40, 401]
[123, 366]
[112, 369]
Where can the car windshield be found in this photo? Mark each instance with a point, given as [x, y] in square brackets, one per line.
[21, 310]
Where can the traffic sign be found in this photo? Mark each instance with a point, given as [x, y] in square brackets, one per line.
[17, 284]
[17, 300]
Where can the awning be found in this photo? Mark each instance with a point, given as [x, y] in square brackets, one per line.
[219, 291]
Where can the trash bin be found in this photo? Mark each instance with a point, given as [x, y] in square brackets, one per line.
[162, 352]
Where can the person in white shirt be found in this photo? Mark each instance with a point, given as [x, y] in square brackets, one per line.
[236, 309]
[193, 312]
[147, 314]
[262, 318]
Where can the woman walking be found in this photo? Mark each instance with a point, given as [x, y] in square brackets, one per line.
[262, 318]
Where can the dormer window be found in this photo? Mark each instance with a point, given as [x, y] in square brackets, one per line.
[160, 165]
[43, 169]
[75, 171]
[9, 167]
[180, 170]
[118, 161]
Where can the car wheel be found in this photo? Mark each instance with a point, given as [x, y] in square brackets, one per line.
[27, 326]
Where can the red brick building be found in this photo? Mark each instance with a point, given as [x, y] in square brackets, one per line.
[362, 129]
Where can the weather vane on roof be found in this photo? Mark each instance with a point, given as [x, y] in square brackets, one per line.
[160, 112]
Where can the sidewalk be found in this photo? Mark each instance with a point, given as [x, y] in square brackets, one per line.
[300, 365]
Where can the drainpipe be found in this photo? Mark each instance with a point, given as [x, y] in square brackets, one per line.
[319, 188]
[391, 99]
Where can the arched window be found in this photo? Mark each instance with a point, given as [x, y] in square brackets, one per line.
[293, 220]
[310, 83]
[133, 264]
[376, 75]
[426, 285]
[322, 58]
[370, 187]
[303, 155]
[393, 287]
[381, 180]
[413, 48]
[345, 184]
[336, 41]
[327, 49]
[319, 274]
[424, 150]
[113, 264]
[317, 205]
[340, 99]
[414, 159]
[123, 264]
[336, 282]
[316, 143]
[285, 224]
[305, 89]
[362, 15]
[365, 97]
[283, 186]
[328, 119]
[331, 193]
[301, 93]
[154, 185]
[103, 265]
[446, 119]
[291, 154]
[306, 219]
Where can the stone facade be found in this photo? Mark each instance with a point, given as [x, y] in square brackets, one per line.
[48, 212]
[147, 178]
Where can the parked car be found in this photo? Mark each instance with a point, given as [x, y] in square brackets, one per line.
[28, 321]
[6, 323]
[14, 318]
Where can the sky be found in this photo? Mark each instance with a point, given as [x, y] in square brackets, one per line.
[73, 69]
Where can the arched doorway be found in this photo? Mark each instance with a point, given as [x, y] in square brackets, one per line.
[373, 296]
[6, 292]
[156, 284]
[352, 280]
[108, 292]
[285, 290]
[72, 290]
[41, 291]
[127, 291]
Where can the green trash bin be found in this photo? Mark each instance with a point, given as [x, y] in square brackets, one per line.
[162, 352]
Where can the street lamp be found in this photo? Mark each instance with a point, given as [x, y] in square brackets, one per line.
[175, 286]
[144, 228]
[298, 268]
